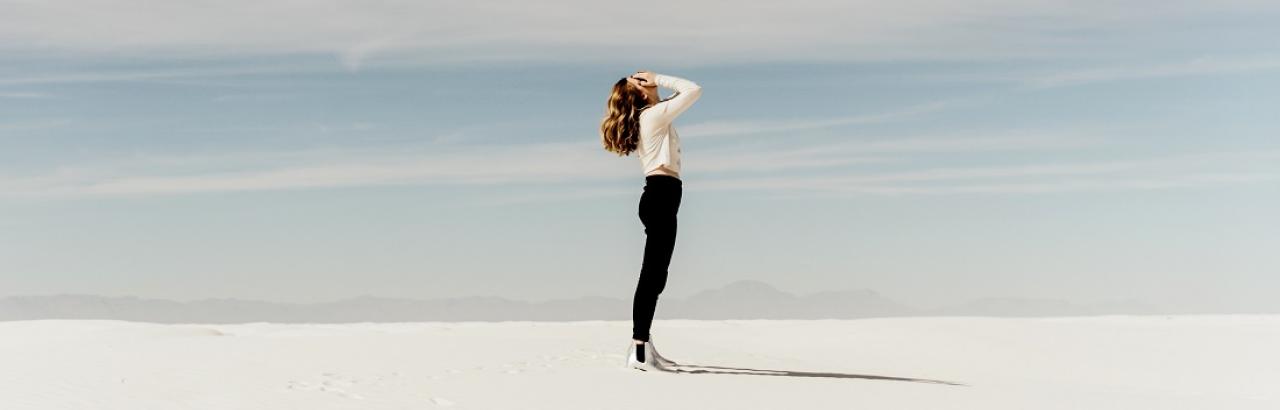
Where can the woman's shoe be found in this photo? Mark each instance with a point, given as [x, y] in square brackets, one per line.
[643, 358]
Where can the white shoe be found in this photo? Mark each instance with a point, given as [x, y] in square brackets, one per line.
[664, 362]
[649, 363]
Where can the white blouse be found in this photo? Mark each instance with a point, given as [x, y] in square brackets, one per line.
[659, 145]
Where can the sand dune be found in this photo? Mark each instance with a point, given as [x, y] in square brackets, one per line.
[1101, 362]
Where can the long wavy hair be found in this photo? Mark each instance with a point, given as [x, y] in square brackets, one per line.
[620, 128]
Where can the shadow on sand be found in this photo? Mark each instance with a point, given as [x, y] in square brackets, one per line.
[701, 369]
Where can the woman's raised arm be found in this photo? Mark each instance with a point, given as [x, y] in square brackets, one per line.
[686, 93]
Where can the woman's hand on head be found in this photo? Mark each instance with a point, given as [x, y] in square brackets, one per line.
[635, 82]
[644, 78]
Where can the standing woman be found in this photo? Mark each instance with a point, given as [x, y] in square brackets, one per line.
[637, 120]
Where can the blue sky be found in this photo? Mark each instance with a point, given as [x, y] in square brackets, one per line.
[934, 151]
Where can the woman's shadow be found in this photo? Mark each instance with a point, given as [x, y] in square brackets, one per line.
[701, 369]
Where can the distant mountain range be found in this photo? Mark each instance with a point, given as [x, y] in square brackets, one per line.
[737, 300]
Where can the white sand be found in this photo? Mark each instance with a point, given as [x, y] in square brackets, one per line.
[1152, 362]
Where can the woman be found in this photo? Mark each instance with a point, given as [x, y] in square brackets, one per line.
[637, 120]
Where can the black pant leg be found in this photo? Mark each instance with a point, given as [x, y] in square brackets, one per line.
[658, 208]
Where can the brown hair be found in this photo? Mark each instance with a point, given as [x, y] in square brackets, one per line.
[620, 128]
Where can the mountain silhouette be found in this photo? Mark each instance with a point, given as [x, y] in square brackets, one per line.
[746, 299]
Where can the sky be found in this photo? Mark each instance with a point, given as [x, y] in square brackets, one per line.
[935, 152]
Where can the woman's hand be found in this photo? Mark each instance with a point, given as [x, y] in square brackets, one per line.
[644, 78]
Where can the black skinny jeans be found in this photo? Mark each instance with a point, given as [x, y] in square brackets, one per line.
[658, 207]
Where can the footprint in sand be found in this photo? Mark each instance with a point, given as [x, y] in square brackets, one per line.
[329, 383]
[442, 402]
[516, 368]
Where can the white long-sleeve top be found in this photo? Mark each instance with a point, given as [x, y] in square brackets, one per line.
[659, 144]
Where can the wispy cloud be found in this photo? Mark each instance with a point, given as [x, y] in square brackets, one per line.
[445, 163]
[1199, 66]
[991, 142]
[558, 163]
[1171, 171]
[864, 150]
[24, 95]
[33, 124]
[321, 168]
[561, 196]
[1064, 185]
[703, 31]
[1027, 81]
[745, 127]
[154, 74]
